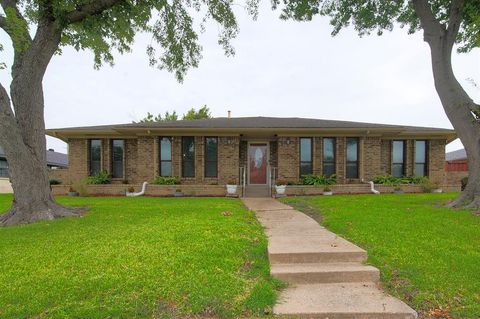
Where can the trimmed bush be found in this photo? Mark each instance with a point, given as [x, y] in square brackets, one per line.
[164, 180]
[100, 178]
[318, 180]
[395, 181]
[464, 182]
[55, 182]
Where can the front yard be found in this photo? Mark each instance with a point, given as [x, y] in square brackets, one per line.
[428, 255]
[137, 258]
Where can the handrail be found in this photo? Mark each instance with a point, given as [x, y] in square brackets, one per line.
[243, 179]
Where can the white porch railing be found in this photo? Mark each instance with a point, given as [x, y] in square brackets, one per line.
[243, 179]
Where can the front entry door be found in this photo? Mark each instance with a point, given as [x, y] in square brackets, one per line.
[257, 161]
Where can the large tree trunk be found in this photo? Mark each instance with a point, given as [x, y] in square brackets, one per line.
[458, 107]
[22, 134]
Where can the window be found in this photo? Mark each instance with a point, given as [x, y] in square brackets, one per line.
[95, 160]
[188, 156]
[211, 156]
[398, 158]
[352, 157]
[118, 148]
[3, 168]
[306, 166]
[421, 156]
[165, 156]
[328, 156]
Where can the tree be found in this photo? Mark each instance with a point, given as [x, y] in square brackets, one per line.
[444, 23]
[202, 113]
[192, 114]
[166, 118]
[38, 29]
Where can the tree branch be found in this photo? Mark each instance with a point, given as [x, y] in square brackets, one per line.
[455, 20]
[92, 8]
[430, 25]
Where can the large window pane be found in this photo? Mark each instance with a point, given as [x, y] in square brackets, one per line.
[352, 157]
[188, 156]
[166, 168]
[95, 157]
[117, 158]
[328, 156]
[211, 156]
[165, 156]
[421, 158]
[420, 151]
[3, 168]
[306, 166]
[398, 156]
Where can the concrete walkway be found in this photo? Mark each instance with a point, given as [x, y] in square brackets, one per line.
[325, 272]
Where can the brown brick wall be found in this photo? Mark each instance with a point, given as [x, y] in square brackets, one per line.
[141, 159]
[317, 155]
[340, 159]
[436, 161]
[288, 158]
[77, 160]
[371, 157]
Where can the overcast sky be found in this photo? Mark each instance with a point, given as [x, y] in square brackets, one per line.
[288, 69]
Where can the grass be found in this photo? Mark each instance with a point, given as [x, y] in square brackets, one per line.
[137, 258]
[428, 255]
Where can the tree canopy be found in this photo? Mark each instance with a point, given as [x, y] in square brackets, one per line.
[368, 16]
[104, 26]
[192, 114]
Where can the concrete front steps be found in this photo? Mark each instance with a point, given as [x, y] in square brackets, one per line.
[326, 274]
[308, 273]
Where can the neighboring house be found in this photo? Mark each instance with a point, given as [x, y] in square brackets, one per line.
[215, 151]
[456, 166]
[54, 160]
[456, 161]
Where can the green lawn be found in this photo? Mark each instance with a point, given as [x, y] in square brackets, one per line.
[428, 255]
[137, 258]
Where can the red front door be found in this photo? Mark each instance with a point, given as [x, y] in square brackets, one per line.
[257, 158]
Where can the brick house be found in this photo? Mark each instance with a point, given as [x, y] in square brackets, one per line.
[254, 150]
[456, 166]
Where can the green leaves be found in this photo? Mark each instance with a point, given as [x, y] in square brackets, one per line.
[171, 23]
[367, 16]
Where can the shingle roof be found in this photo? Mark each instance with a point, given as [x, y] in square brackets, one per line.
[456, 155]
[256, 122]
[53, 158]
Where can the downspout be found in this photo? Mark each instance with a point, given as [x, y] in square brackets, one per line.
[141, 193]
[372, 187]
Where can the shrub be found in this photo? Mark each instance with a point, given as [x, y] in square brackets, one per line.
[464, 182]
[428, 186]
[281, 181]
[55, 182]
[100, 178]
[81, 187]
[131, 189]
[395, 181]
[318, 180]
[232, 182]
[164, 180]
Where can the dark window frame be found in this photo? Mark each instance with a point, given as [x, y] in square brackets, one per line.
[425, 164]
[4, 170]
[357, 162]
[189, 160]
[160, 161]
[334, 142]
[206, 161]
[90, 172]
[300, 155]
[112, 160]
[404, 157]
